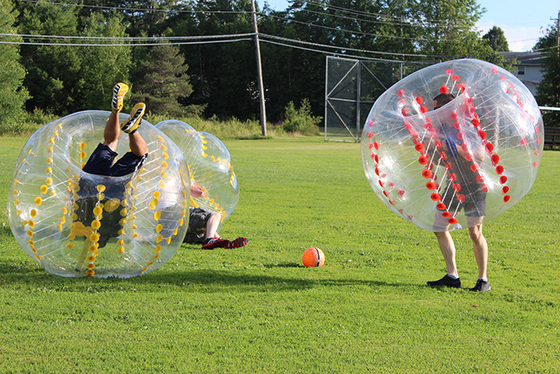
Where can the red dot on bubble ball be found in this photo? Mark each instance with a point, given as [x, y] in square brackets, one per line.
[419, 147]
[423, 109]
[435, 197]
[405, 112]
[450, 72]
[506, 198]
[376, 171]
[457, 187]
[480, 178]
[537, 130]
[370, 146]
[503, 179]
[456, 78]
[441, 206]
[499, 169]
[443, 156]
[385, 193]
[446, 214]
[447, 165]
[452, 221]
[438, 144]
[523, 141]
[376, 158]
[468, 156]
[422, 160]
[482, 134]
[489, 147]
[475, 122]
[461, 197]
[400, 93]
[452, 177]
[426, 173]
[431, 186]
[457, 125]
[381, 183]
[495, 159]
[474, 168]
[485, 188]
[505, 190]
[443, 89]
[454, 115]
[419, 100]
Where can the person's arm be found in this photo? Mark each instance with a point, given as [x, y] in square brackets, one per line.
[196, 190]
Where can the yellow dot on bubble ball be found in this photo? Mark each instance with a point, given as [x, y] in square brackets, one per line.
[157, 215]
[97, 211]
[70, 245]
[90, 273]
[48, 181]
[123, 212]
[91, 258]
[33, 213]
[156, 257]
[164, 164]
[49, 160]
[157, 194]
[159, 238]
[31, 223]
[159, 227]
[94, 237]
[153, 204]
[30, 233]
[181, 221]
[48, 170]
[120, 250]
[83, 155]
[168, 240]
[82, 145]
[120, 242]
[157, 249]
[31, 242]
[90, 266]
[74, 217]
[38, 201]
[121, 232]
[164, 147]
[175, 231]
[44, 189]
[101, 188]
[96, 224]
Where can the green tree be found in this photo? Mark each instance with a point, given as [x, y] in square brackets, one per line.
[53, 70]
[102, 67]
[163, 81]
[496, 39]
[12, 94]
[548, 91]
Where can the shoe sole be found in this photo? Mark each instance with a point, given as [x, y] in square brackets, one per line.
[134, 120]
[239, 242]
[119, 91]
[220, 243]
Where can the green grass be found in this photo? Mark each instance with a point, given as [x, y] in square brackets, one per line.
[257, 309]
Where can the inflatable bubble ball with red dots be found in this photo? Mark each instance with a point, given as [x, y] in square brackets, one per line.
[453, 165]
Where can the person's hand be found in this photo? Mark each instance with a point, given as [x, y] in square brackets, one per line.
[196, 190]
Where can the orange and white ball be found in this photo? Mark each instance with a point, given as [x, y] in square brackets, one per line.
[313, 257]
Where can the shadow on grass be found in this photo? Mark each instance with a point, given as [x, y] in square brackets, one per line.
[36, 278]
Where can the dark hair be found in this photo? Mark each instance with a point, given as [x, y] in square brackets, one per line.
[442, 99]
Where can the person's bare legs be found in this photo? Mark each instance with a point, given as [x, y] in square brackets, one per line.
[480, 248]
[212, 225]
[447, 248]
[137, 144]
[112, 131]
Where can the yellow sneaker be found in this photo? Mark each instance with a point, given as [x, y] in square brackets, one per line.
[133, 122]
[119, 91]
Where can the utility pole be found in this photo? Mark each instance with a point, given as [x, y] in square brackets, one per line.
[259, 69]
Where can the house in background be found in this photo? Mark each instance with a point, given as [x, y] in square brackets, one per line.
[529, 68]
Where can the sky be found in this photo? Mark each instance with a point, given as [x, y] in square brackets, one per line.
[523, 21]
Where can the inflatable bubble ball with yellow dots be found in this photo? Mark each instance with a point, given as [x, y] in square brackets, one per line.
[209, 164]
[78, 224]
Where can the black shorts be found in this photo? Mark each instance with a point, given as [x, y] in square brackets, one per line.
[198, 218]
[101, 162]
[474, 204]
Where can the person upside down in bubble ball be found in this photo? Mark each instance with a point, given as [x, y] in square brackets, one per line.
[474, 206]
[100, 164]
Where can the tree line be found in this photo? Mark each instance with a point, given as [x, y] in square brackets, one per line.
[64, 57]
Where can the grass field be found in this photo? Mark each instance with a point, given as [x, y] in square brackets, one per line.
[258, 310]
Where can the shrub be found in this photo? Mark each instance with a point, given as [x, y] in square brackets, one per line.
[301, 120]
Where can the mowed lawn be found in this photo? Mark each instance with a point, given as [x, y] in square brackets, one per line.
[258, 310]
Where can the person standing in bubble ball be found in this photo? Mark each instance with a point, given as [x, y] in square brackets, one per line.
[474, 207]
[102, 162]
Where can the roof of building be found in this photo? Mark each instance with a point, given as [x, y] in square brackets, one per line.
[525, 58]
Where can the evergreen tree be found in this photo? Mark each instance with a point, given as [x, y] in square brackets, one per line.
[163, 81]
[496, 39]
[12, 94]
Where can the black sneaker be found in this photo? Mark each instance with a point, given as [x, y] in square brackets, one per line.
[446, 281]
[481, 286]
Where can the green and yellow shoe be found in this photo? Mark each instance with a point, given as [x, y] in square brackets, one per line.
[119, 91]
[133, 122]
